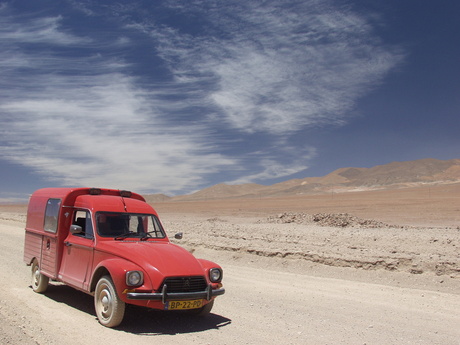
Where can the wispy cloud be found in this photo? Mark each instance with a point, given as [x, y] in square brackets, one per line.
[285, 161]
[97, 128]
[13, 198]
[45, 30]
[279, 66]
[81, 111]
[105, 134]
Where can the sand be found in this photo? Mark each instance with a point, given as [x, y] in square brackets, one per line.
[378, 267]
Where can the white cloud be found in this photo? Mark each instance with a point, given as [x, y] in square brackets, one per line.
[279, 67]
[13, 198]
[283, 162]
[37, 31]
[83, 121]
[271, 70]
[106, 135]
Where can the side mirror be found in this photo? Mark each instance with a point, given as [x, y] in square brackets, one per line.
[178, 236]
[76, 229]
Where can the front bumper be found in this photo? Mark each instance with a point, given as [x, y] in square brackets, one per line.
[164, 296]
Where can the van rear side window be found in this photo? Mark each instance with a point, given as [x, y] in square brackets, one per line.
[51, 215]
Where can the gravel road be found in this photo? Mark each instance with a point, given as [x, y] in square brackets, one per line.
[269, 299]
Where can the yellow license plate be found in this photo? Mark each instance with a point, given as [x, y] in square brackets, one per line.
[183, 305]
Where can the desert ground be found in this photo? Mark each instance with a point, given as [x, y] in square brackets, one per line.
[371, 267]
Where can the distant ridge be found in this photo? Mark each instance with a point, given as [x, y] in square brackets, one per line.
[223, 190]
[394, 175]
[156, 198]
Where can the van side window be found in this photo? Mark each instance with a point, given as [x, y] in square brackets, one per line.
[83, 219]
[51, 215]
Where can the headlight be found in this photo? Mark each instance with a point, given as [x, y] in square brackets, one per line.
[134, 278]
[215, 275]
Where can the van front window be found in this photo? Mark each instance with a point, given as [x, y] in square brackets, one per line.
[124, 225]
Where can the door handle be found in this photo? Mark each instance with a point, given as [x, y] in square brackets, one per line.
[67, 243]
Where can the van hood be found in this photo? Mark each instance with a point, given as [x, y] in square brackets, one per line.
[157, 259]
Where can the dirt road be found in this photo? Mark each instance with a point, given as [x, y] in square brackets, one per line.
[268, 301]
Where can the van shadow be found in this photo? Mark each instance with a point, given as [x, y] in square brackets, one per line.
[147, 321]
[73, 298]
[139, 320]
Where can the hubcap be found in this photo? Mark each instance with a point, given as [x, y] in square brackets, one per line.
[106, 302]
[36, 277]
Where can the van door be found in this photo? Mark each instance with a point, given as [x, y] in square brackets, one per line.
[78, 252]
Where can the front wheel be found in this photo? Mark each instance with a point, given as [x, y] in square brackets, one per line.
[110, 309]
[39, 280]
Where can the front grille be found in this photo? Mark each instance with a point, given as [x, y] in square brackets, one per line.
[185, 284]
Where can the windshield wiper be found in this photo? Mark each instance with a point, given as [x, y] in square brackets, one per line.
[146, 235]
[125, 235]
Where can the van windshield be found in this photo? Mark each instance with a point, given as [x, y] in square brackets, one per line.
[124, 225]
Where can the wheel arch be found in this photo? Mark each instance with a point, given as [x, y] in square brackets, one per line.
[116, 268]
[98, 274]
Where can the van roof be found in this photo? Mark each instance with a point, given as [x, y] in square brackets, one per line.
[95, 199]
[69, 194]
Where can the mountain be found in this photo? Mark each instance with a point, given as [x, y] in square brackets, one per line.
[420, 171]
[388, 176]
[153, 198]
[223, 190]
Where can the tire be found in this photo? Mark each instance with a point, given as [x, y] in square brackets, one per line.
[203, 311]
[110, 309]
[39, 280]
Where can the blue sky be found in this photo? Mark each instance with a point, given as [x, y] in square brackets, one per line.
[175, 96]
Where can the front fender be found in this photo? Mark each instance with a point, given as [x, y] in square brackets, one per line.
[207, 265]
[117, 268]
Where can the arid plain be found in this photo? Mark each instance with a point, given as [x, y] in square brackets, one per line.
[369, 267]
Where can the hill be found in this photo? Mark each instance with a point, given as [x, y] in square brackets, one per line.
[153, 198]
[394, 175]
[222, 191]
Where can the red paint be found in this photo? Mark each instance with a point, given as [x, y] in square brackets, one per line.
[79, 260]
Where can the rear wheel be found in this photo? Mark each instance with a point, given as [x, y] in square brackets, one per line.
[110, 309]
[39, 280]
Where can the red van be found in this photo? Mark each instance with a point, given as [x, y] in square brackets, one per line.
[111, 244]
